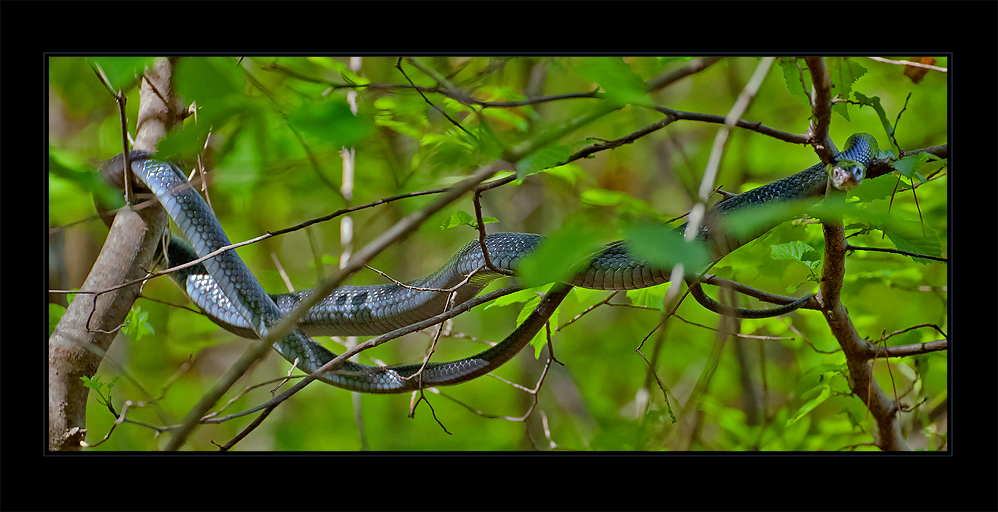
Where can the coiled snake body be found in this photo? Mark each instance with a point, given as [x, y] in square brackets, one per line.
[229, 294]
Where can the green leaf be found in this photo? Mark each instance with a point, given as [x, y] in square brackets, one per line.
[909, 276]
[561, 255]
[826, 392]
[584, 294]
[211, 115]
[530, 298]
[208, 81]
[136, 324]
[458, 218]
[879, 188]
[910, 165]
[752, 221]
[843, 73]
[453, 106]
[795, 74]
[96, 384]
[122, 71]
[602, 197]
[385, 103]
[620, 83]
[93, 383]
[874, 101]
[55, 314]
[664, 247]
[330, 122]
[651, 297]
[110, 385]
[517, 297]
[463, 218]
[540, 339]
[797, 251]
[546, 157]
[67, 165]
[914, 237]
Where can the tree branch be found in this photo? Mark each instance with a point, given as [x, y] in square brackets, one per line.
[126, 255]
[857, 350]
[877, 351]
[821, 109]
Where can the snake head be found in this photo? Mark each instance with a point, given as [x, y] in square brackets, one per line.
[846, 174]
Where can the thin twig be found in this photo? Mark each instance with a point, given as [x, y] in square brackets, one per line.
[850, 247]
[452, 289]
[909, 63]
[480, 221]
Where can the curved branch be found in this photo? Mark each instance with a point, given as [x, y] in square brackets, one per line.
[691, 68]
[741, 123]
[790, 304]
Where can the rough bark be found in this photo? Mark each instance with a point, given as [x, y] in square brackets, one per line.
[91, 322]
[883, 409]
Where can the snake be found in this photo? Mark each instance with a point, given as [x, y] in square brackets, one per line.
[226, 291]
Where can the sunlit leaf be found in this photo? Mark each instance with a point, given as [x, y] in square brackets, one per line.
[463, 218]
[797, 251]
[795, 75]
[617, 79]
[55, 314]
[651, 297]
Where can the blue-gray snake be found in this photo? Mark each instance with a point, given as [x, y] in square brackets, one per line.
[228, 293]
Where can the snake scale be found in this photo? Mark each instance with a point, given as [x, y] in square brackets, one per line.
[228, 293]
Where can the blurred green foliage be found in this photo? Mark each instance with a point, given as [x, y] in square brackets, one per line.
[271, 129]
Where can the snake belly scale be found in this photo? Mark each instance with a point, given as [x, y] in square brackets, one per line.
[228, 293]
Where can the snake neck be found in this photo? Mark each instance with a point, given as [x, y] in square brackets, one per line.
[807, 186]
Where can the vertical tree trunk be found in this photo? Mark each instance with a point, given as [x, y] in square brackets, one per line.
[87, 329]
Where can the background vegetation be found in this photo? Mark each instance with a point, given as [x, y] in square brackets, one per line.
[271, 131]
